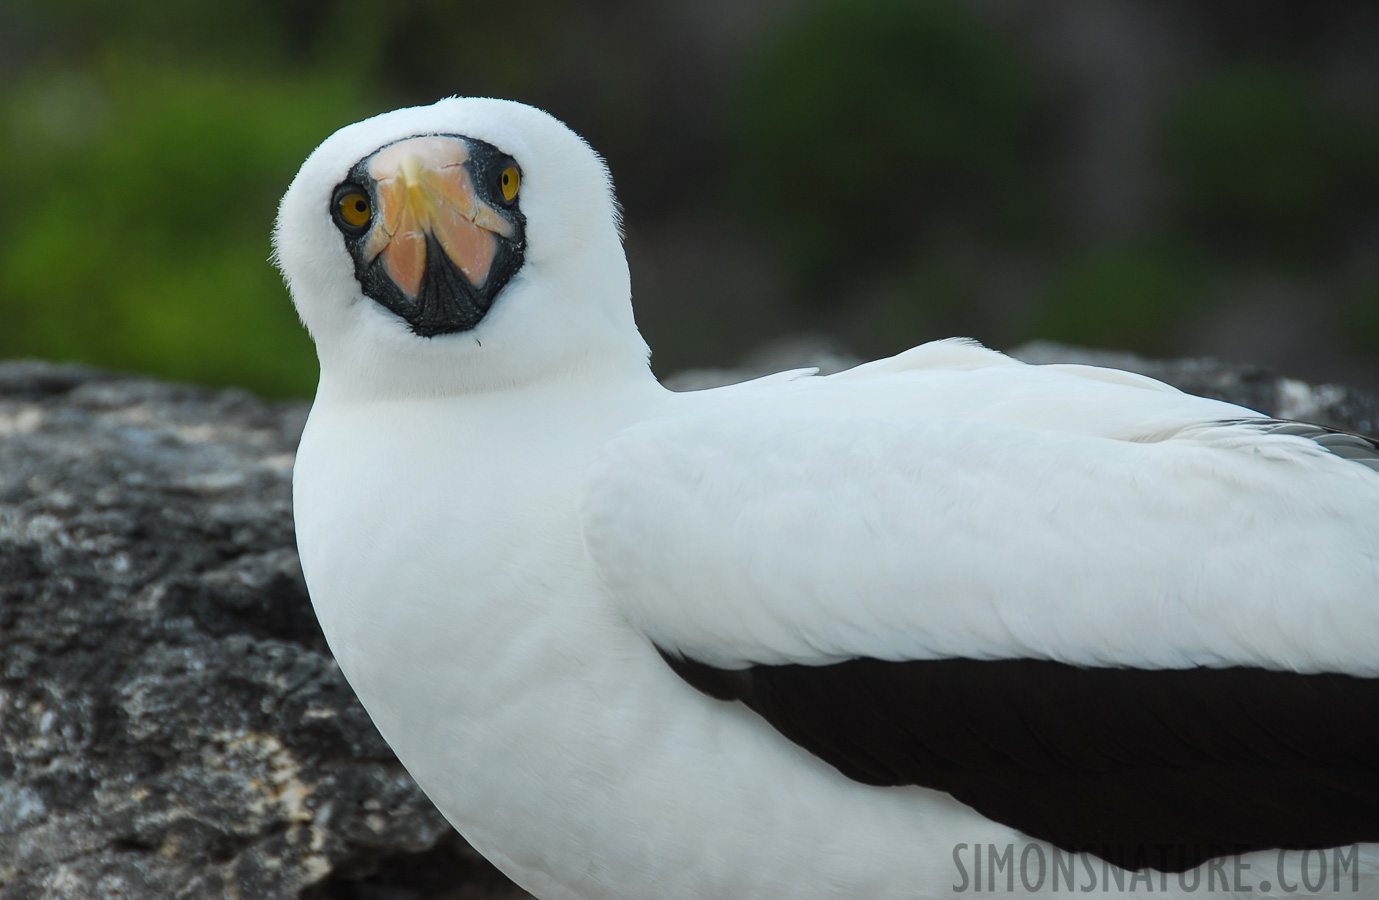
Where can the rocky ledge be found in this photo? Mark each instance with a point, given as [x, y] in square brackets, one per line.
[172, 724]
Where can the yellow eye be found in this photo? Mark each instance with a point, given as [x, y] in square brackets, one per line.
[355, 210]
[511, 181]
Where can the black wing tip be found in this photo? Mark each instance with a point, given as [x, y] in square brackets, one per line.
[1350, 445]
[720, 684]
[1159, 769]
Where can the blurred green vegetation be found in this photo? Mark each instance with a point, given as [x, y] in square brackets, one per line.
[1362, 317]
[865, 124]
[148, 145]
[881, 138]
[930, 296]
[1259, 160]
[904, 164]
[138, 233]
[1127, 297]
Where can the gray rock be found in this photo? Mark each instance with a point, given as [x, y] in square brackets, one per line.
[1255, 387]
[171, 722]
[803, 351]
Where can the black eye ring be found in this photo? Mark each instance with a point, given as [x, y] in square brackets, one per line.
[355, 220]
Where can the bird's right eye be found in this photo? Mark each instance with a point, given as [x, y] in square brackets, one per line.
[351, 209]
[354, 209]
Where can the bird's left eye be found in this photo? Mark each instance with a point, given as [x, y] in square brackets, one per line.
[510, 181]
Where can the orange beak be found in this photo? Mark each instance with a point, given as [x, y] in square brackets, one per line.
[425, 191]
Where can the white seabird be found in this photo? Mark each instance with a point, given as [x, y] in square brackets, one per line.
[941, 624]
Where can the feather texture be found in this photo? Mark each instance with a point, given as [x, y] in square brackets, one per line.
[789, 527]
[1149, 768]
[945, 599]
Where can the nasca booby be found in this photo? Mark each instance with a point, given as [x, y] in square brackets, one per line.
[894, 632]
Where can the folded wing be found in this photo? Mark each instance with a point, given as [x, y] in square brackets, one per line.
[1110, 640]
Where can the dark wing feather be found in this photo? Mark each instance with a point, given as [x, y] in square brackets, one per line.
[1346, 444]
[1164, 768]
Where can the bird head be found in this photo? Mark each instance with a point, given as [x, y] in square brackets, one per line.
[466, 245]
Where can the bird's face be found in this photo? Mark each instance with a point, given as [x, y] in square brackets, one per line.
[456, 247]
[435, 228]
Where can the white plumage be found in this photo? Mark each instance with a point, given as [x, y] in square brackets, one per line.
[505, 526]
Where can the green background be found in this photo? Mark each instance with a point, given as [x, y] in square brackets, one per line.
[1196, 178]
